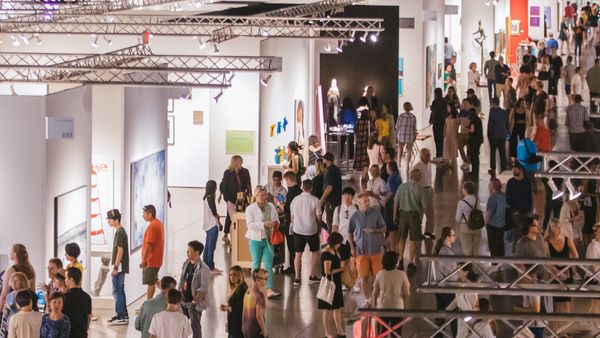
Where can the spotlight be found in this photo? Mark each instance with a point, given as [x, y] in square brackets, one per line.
[495, 2]
[218, 96]
[108, 41]
[265, 81]
[216, 49]
[327, 47]
[15, 42]
[488, 2]
[364, 37]
[198, 4]
[468, 319]
[201, 43]
[265, 33]
[24, 38]
[230, 78]
[556, 194]
[339, 47]
[352, 36]
[573, 193]
[374, 37]
[38, 40]
[94, 42]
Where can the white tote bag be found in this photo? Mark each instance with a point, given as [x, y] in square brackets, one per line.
[326, 290]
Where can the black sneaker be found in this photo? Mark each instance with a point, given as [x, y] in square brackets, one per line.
[314, 279]
[411, 268]
[289, 271]
[113, 319]
[429, 235]
[118, 321]
[297, 282]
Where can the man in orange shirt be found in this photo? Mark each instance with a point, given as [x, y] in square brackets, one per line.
[152, 250]
[542, 139]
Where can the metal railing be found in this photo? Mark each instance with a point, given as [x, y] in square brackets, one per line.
[568, 165]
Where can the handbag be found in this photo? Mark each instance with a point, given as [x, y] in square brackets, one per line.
[326, 290]
[277, 237]
[349, 278]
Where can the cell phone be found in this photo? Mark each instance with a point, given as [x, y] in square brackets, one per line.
[280, 198]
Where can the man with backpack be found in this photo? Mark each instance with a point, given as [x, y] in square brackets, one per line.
[469, 220]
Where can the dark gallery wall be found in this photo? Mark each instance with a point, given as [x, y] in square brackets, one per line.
[366, 63]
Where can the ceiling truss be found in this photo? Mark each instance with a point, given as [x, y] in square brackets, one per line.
[46, 11]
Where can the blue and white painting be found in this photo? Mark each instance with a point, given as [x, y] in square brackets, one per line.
[148, 186]
[71, 222]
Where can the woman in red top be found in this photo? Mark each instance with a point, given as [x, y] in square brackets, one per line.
[542, 139]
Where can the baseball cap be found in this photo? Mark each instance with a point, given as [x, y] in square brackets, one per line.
[328, 156]
[113, 214]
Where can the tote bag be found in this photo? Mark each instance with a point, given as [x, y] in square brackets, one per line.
[326, 290]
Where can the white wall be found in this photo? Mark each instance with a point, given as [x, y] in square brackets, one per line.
[537, 33]
[188, 157]
[68, 161]
[471, 13]
[277, 99]
[145, 131]
[22, 145]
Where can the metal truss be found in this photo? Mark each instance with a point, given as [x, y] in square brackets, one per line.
[333, 28]
[553, 284]
[516, 322]
[569, 165]
[89, 7]
[133, 66]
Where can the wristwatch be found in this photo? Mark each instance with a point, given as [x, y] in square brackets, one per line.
[116, 267]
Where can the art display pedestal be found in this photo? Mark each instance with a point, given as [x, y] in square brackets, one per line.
[240, 245]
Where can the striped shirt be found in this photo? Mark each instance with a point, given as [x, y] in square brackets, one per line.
[576, 115]
[406, 128]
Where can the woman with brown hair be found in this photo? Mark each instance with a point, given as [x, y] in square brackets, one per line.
[18, 282]
[518, 121]
[18, 255]
[296, 161]
[235, 179]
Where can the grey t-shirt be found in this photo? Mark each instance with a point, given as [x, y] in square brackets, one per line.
[569, 73]
[528, 248]
[367, 243]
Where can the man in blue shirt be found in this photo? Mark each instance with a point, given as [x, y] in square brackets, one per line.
[497, 130]
[525, 149]
[154, 306]
[551, 44]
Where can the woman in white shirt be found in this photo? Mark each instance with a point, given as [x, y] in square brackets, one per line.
[473, 78]
[261, 217]
[391, 288]
[571, 218]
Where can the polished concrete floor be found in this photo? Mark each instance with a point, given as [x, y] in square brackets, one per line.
[295, 314]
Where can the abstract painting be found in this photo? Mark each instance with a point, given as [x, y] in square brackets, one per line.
[429, 74]
[71, 222]
[101, 201]
[148, 186]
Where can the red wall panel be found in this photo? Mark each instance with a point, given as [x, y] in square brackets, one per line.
[519, 10]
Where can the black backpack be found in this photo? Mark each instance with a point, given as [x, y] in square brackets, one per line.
[476, 220]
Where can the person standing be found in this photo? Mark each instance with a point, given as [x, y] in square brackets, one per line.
[443, 247]
[569, 14]
[235, 302]
[391, 288]
[406, 129]
[569, 72]
[551, 44]
[72, 253]
[376, 187]
[501, 73]
[211, 224]
[55, 324]
[296, 161]
[261, 217]
[369, 99]
[489, 70]
[332, 195]
[473, 77]
[276, 192]
[495, 218]
[510, 100]
[120, 261]
[18, 255]
[253, 317]
[152, 250]
[409, 205]
[331, 268]
[194, 285]
[293, 192]
[448, 52]
[593, 252]
[78, 305]
[424, 167]
[341, 223]
[474, 143]
[518, 199]
[236, 179]
[563, 37]
[469, 238]
[450, 136]
[26, 323]
[305, 214]
[576, 116]
[54, 266]
[171, 323]
[593, 81]
[556, 65]
[497, 131]
[153, 306]
[367, 239]
[438, 119]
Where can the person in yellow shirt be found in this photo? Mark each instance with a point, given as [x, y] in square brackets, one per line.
[72, 252]
[382, 126]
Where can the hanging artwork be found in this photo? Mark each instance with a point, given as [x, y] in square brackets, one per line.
[299, 124]
[400, 87]
[71, 222]
[548, 16]
[429, 74]
[280, 154]
[279, 127]
[101, 201]
[148, 186]
[171, 126]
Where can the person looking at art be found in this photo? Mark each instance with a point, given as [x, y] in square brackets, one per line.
[212, 225]
[296, 161]
[72, 253]
[77, 305]
[236, 179]
[153, 306]
[152, 250]
[19, 256]
[120, 261]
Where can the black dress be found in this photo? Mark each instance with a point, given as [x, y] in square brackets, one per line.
[564, 253]
[590, 208]
[338, 297]
[234, 318]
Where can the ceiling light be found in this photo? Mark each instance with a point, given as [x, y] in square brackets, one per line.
[15, 42]
[216, 49]
[265, 81]
[556, 194]
[327, 47]
[108, 41]
[495, 2]
[218, 96]
[201, 43]
[364, 37]
[339, 47]
[352, 36]
[265, 33]
[199, 4]
[25, 39]
[230, 78]
[488, 2]
[374, 37]
[573, 193]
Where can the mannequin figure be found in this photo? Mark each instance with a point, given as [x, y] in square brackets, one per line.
[333, 103]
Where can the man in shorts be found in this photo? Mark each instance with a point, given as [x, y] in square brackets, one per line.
[409, 205]
[367, 240]
[341, 223]
[305, 214]
[152, 250]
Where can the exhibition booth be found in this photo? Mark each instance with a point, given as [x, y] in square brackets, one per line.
[74, 153]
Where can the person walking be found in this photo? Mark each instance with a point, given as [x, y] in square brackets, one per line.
[391, 289]
[577, 115]
[518, 120]
[153, 306]
[152, 250]
[171, 323]
[469, 238]
[406, 127]
[293, 192]
[448, 52]
[77, 305]
[474, 143]
[362, 132]
[450, 136]
[120, 261]
[438, 119]
[424, 167]
[518, 199]
[261, 217]
[569, 72]
[563, 37]
[305, 215]
[331, 268]
[556, 65]
[495, 218]
[497, 131]
[593, 81]
[235, 302]
[489, 70]
[253, 317]
[501, 72]
[194, 285]
[211, 224]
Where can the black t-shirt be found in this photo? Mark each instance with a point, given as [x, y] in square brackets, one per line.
[317, 188]
[78, 307]
[121, 241]
[477, 135]
[187, 287]
[499, 72]
[538, 104]
[556, 66]
[333, 178]
[292, 193]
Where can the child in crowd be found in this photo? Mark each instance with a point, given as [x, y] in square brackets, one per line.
[212, 225]
[27, 322]
[171, 323]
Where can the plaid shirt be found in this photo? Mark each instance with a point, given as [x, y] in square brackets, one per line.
[406, 128]
[576, 115]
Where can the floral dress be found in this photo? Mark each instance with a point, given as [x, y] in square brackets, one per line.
[361, 159]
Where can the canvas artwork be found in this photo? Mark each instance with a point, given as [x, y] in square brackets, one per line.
[429, 74]
[299, 124]
[101, 201]
[548, 16]
[515, 27]
[148, 186]
[71, 222]
[171, 126]
[239, 142]
[440, 71]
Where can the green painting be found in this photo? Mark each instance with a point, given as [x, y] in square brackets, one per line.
[239, 142]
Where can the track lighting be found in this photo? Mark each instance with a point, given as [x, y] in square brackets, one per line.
[230, 78]
[488, 2]
[201, 43]
[265, 33]
[15, 42]
[556, 194]
[265, 81]
[94, 42]
[218, 96]
[339, 47]
[108, 41]
[216, 49]
[364, 37]
[573, 193]
[495, 2]
[352, 36]
[327, 47]
[374, 37]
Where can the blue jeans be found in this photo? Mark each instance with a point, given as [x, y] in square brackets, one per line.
[261, 252]
[211, 244]
[118, 283]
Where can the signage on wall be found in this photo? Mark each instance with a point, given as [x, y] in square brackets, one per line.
[60, 128]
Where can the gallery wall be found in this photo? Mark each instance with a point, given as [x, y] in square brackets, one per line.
[519, 10]
[361, 63]
[68, 161]
[548, 10]
[23, 177]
